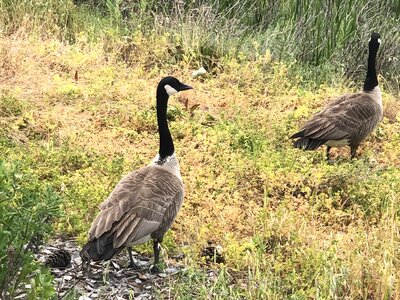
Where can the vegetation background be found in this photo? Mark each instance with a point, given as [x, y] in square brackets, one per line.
[77, 112]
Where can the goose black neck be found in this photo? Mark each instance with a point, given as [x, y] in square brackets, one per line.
[371, 81]
[166, 144]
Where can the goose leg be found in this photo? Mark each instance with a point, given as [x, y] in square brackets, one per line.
[328, 149]
[131, 261]
[156, 248]
[353, 150]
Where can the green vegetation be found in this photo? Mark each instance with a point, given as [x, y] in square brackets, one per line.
[26, 211]
[77, 111]
[320, 41]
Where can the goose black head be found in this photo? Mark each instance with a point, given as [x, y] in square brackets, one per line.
[375, 39]
[171, 85]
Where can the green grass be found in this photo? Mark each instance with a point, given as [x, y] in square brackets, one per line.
[291, 226]
[27, 209]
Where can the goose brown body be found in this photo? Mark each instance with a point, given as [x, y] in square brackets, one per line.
[141, 207]
[346, 121]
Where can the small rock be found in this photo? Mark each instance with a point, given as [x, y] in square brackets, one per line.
[115, 265]
[68, 277]
[91, 284]
[89, 288]
[172, 270]
[142, 277]
[199, 72]
[179, 256]
[77, 260]
[42, 260]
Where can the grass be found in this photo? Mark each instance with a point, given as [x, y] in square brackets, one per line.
[205, 32]
[27, 209]
[78, 116]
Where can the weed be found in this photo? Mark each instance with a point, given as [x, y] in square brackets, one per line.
[27, 210]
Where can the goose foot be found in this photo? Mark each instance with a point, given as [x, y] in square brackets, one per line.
[132, 264]
[155, 269]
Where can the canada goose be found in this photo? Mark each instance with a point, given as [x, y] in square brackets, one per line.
[349, 119]
[145, 202]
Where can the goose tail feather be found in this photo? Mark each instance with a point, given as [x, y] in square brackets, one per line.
[308, 144]
[100, 249]
[298, 135]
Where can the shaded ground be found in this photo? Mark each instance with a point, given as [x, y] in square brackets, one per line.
[107, 280]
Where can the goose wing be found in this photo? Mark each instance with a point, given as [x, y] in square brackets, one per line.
[342, 119]
[137, 206]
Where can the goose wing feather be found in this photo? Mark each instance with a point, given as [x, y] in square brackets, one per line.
[170, 214]
[343, 118]
[137, 206]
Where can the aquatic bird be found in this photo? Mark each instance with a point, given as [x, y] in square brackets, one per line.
[145, 202]
[348, 120]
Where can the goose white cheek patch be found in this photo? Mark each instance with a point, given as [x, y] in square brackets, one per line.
[170, 90]
[379, 41]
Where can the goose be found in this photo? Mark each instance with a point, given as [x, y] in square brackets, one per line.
[348, 120]
[144, 204]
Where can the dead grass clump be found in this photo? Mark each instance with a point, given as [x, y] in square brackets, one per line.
[392, 110]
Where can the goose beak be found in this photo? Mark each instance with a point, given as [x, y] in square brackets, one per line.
[184, 87]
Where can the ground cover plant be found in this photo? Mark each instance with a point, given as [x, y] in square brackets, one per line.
[77, 112]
